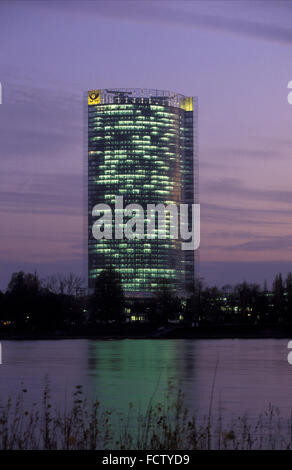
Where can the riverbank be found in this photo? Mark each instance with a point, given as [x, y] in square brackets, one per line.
[145, 331]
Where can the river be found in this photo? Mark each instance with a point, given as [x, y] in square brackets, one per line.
[250, 373]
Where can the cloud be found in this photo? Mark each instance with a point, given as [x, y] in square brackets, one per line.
[261, 243]
[233, 187]
[40, 133]
[243, 153]
[211, 165]
[231, 234]
[266, 149]
[34, 122]
[223, 214]
[36, 136]
[158, 12]
[41, 193]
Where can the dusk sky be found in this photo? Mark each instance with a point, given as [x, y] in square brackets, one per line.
[234, 56]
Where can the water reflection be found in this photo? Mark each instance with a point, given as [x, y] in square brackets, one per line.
[251, 373]
[134, 371]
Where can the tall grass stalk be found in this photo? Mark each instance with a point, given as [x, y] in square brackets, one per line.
[163, 426]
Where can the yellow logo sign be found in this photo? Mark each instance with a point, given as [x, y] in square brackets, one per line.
[187, 104]
[94, 97]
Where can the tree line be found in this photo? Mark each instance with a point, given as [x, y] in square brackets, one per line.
[61, 303]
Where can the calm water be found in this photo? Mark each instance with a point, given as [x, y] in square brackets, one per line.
[251, 373]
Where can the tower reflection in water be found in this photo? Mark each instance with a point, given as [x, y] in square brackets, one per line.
[131, 371]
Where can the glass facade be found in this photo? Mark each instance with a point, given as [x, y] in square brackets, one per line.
[141, 147]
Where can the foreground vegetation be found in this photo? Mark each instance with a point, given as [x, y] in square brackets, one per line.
[165, 426]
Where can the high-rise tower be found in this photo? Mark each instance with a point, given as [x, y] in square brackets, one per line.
[142, 146]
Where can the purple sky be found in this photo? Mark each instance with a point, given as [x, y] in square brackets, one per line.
[235, 56]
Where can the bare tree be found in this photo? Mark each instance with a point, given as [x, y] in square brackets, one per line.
[70, 284]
